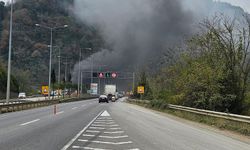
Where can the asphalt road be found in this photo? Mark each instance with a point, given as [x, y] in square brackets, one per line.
[119, 126]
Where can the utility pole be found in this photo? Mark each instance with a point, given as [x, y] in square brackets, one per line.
[9, 57]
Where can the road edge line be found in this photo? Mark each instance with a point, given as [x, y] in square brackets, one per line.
[79, 134]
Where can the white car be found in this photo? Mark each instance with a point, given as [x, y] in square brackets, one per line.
[21, 95]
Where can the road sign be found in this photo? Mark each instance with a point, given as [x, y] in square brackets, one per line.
[94, 88]
[140, 89]
[45, 90]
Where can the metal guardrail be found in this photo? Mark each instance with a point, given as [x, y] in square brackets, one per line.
[11, 107]
[26, 105]
[228, 116]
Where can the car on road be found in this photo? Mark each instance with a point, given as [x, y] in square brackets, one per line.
[103, 98]
[22, 95]
[113, 98]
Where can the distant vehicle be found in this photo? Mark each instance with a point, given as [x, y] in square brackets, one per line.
[22, 95]
[103, 98]
[113, 99]
[120, 95]
[110, 91]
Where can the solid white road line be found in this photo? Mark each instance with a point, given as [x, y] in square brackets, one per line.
[26, 123]
[79, 134]
[74, 107]
[88, 148]
[104, 142]
[115, 132]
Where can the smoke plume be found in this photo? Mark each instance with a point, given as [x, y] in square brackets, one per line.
[141, 31]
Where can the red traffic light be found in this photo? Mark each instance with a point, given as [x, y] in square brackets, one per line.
[101, 75]
[114, 75]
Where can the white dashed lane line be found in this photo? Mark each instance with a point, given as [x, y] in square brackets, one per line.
[61, 112]
[102, 133]
[74, 108]
[26, 123]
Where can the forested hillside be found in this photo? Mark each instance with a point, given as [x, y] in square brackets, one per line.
[30, 55]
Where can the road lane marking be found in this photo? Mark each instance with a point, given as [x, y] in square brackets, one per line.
[105, 125]
[104, 142]
[74, 107]
[104, 120]
[93, 131]
[115, 132]
[113, 137]
[26, 123]
[83, 105]
[60, 112]
[97, 128]
[79, 134]
[88, 148]
[108, 123]
[88, 135]
[105, 114]
[106, 137]
[114, 128]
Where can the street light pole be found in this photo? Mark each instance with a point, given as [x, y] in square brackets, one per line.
[59, 66]
[79, 73]
[9, 59]
[51, 48]
[91, 69]
[50, 59]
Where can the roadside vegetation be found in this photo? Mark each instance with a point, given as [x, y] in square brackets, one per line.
[212, 73]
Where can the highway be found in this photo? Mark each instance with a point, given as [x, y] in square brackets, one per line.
[93, 126]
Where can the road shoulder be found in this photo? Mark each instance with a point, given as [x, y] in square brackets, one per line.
[231, 134]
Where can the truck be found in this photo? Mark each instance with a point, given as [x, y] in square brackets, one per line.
[110, 91]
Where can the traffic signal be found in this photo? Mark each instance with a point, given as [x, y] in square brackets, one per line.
[95, 74]
[108, 74]
[101, 75]
[114, 75]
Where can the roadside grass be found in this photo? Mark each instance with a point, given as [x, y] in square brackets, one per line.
[224, 124]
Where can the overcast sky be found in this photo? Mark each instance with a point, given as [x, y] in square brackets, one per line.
[245, 4]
